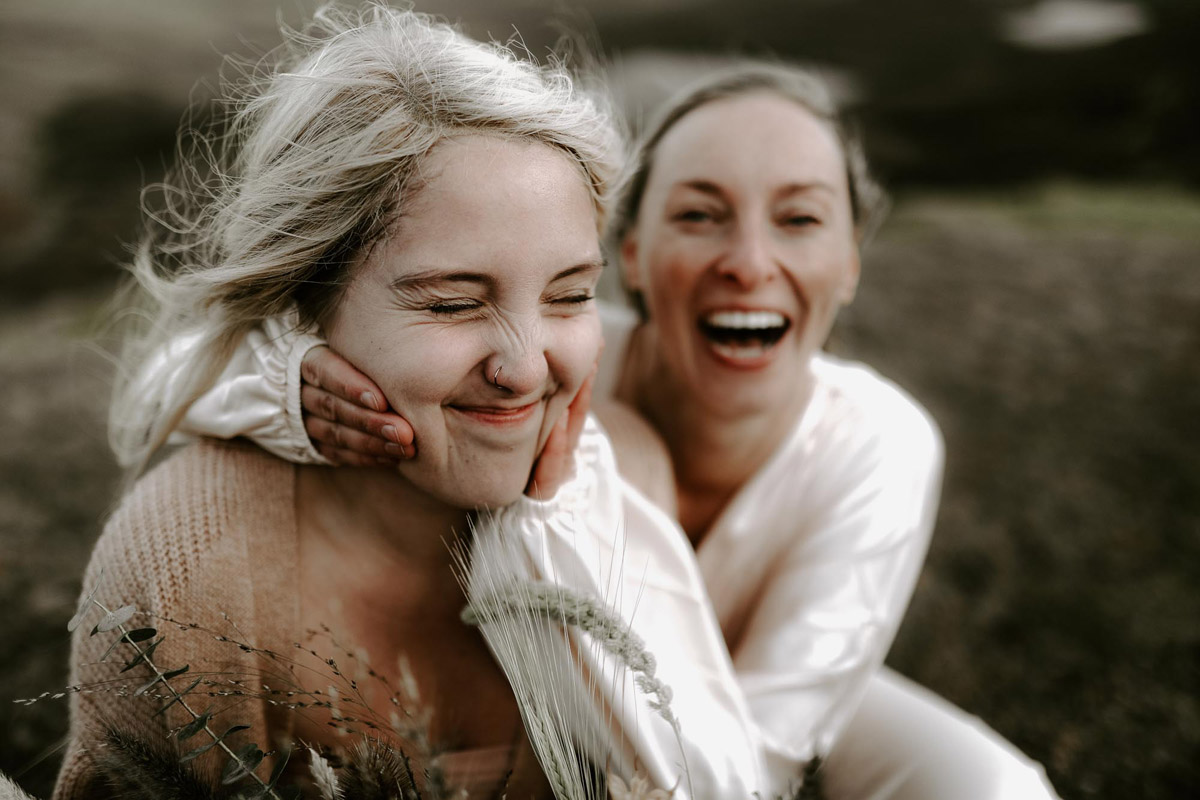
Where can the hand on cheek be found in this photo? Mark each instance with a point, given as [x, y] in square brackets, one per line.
[553, 466]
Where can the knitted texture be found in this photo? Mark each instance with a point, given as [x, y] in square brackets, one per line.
[209, 538]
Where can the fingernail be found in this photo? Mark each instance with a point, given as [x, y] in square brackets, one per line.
[394, 449]
[368, 400]
[390, 432]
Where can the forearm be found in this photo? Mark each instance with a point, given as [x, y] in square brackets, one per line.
[257, 395]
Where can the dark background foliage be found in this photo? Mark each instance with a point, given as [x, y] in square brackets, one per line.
[1036, 288]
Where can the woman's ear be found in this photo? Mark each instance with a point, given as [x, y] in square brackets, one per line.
[629, 268]
[850, 279]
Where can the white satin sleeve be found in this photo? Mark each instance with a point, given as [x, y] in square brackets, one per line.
[258, 393]
[600, 536]
[842, 520]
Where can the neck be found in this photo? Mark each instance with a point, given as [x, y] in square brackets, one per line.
[379, 515]
[713, 453]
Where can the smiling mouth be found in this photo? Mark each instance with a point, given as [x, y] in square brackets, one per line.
[743, 335]
[496, 415]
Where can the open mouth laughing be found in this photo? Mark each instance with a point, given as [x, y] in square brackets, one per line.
[743, 336]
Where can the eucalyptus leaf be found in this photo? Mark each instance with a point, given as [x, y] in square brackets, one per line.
[132, 637]
[199, 751]
[234, 729]
[143, 656]
[178, 696]
[164, 677]
[111, 647]
[114, 619]
[277, 771]
[243, 762]
[193, 727]
[84, 606]
[139, 635]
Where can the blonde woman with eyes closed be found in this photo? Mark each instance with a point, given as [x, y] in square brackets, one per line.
[808, 486]
[346, 203]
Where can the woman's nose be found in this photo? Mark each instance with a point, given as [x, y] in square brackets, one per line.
[749, 260]
[517, 364]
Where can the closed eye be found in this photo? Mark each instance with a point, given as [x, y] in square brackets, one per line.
[574, 299]
[450, 307]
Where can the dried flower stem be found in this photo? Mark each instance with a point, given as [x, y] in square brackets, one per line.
[164, 677]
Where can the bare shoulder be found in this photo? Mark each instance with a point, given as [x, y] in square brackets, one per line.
[642, 456]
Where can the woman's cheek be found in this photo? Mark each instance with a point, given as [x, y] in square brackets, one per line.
[422, 368]
[580, 342]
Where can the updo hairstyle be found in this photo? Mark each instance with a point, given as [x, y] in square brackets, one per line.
[868, 202]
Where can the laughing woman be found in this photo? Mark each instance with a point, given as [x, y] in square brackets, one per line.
[432, 208]
[807, 485]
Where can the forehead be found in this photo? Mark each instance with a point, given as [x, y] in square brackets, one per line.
[497, 202]
[760, 138]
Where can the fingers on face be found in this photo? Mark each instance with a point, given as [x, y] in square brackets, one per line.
[342, 437]
[328, 407]
[325, 369]
[577, 413]
[552, 465]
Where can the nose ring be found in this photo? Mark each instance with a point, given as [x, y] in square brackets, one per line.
[496, 377]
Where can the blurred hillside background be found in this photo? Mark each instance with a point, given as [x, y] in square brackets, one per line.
[1036, 288]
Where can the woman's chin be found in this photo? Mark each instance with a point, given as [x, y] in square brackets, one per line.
[479, 486]
[494, 494]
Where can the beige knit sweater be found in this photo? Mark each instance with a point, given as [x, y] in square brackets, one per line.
[207, 538]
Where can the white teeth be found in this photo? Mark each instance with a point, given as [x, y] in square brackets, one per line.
[745, 320]
[746, 351]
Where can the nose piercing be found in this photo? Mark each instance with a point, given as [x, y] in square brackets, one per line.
[496, 377]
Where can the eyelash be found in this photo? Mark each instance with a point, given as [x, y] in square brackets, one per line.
[454, 307]
[575, 299]
[695, 215]
[462, 307]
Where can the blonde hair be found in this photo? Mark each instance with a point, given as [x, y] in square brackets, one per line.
[320, 155]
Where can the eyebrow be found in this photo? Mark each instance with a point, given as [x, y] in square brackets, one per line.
[802, 188]
[796, 187]
[595, 265]
[703, 186]
[434, 277]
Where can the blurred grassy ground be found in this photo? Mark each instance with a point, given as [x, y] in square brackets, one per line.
[1054, 333]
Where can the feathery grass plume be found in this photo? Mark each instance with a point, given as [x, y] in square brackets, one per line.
[588, 614]
[377, 772]
[10, 791]
[554, 690]
[140, 769]
[555, 677]
[323, 777]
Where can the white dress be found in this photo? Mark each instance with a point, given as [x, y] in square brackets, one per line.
[809, 569]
